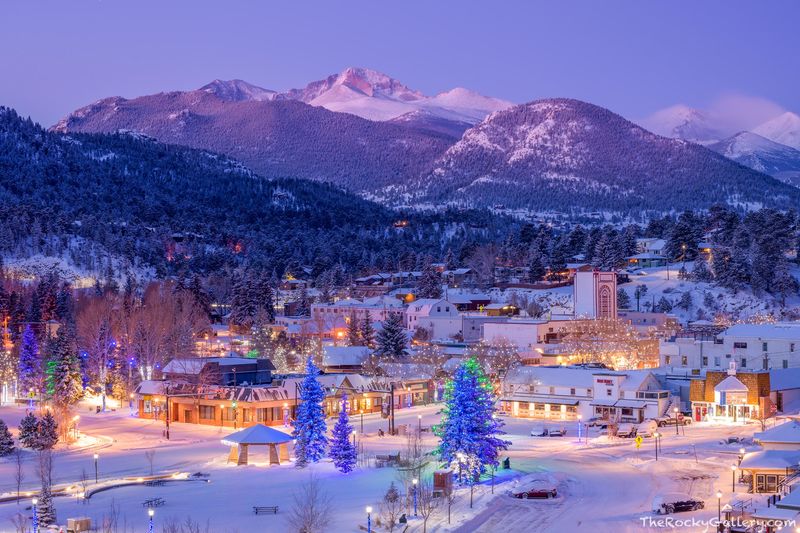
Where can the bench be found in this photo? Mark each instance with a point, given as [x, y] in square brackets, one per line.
[387, 460]
[153, 502]
[155, 482]
[265, 510]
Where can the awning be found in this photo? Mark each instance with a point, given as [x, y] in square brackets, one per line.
[604, 402]
[541, 399]
[632, 404]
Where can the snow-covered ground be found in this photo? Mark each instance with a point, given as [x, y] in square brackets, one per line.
[603, 485]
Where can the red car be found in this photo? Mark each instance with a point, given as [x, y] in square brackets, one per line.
[538, 494]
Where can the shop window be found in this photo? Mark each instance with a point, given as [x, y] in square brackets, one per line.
[206, 412]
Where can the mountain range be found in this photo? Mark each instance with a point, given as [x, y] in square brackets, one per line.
[762, 154]
[375, 136]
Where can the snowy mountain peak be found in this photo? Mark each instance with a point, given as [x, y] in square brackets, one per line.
[783, 129]
[238, 91]
[683, 122]
[352, 83]
[762, 154]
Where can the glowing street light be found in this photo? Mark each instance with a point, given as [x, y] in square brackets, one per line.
[150, 513]
[35, 520]
[675, 410]
[96, 457]
[733, 478]
[656, 436]
[369, 519]
[580, 417]
[419, 424]
[719, 506]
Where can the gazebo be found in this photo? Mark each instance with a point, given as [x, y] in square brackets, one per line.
[258, 435]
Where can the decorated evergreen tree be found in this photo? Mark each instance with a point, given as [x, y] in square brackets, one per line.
[430, 283]
[29, 430]
[392, 339]
[30, 363]
[469, 430]
[6, 441]
[309, 426]
[353, 330]
[45, 509]
[68, 383]
[367, 333]
[342, 450]
[47, 432]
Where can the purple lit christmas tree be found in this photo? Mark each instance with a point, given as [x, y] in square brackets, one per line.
[309, 427]
[343, 451]
[30, 362]
[469, 430]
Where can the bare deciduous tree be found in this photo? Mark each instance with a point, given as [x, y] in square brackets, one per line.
[20, 523]
[391, 507]
[427, 503]
[311, 507]
[19, 473]
[150, 455]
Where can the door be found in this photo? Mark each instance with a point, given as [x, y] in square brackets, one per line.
[187, 416]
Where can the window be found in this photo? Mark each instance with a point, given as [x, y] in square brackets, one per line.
[791, 347]
[438, 309]
[764, 347]
[666, 359]
[627, 411]
[785, 363]
[572, 392]
[572, 409]
[742, 345]
[552, 390]
[227, 413]
[206, 412]
[705, 360]
[684, 360]
[608, 392]
[716, 360]
[589, 392]
[744, 363]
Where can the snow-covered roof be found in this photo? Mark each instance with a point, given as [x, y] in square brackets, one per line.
[784, 379]
[409, 371]
[790, 502]
[635, 379]
[345, 355]
[423, 306]
[645, 255]
[257, 434]
[382, 301]
[771, 459]
[552, 376]
[775, 513]
[730, 384]
[193, 365]
[788, 432]
[780, 330]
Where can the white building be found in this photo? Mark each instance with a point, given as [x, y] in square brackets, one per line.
[595, 294]
[750, 346]
[563, 393]
[376, 309]
[439, 317]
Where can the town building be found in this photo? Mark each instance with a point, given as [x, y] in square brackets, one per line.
[564, 393]
[776, 465]
[595, 294]
[438, 317]
[731, 396]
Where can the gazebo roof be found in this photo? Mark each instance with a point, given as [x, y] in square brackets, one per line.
[257, 434]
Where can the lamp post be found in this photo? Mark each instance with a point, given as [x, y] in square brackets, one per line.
[354, 438]
[96, 457]
[414, 490]
[460, 457]
[719, 506]
[656, 436]
[150, 513]
[221, 416]
[235, 417]
[361, 411]
[675, 410]
[35, 519]
[733, 478]
[130, 403]
[369, 519]
[419, 424]
[741, 455]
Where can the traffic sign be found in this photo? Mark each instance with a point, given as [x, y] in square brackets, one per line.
[638, 441]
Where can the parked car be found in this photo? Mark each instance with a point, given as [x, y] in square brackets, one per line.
[671, 420]
[539, 431]
[541, 494]
[647, 428]
[676, 503]
[558, 432]
[597, 422]
[626, 431]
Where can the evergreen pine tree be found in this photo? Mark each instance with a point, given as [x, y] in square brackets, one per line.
[430, 283]
[367, 332]
[30, 363]
[303, 304]
[701, 273]
[392, 339]
[468, 425]
[45, 509]
[639, 293]
[784, 283]
[29, 431]
[47, 432]
[6, 441]
[309, 426]
[353, 331]
[67, 375]
[536, 270]
[663, 305]
[342, 450]
[623, 300]
[686, 301]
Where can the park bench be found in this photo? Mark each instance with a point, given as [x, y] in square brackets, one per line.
[153, 502]
[382, 460]
[155, 482]
[265, 510]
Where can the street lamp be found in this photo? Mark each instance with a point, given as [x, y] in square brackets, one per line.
[96, 457]
[733, 478]
[221, 411]
[35, 519]
[719, 506]
[369, 519]
[656, 436]
[414, 483]
[419, 424]
[150, 513]
[75, 425]
[361, 411]
[579, 428]
[460, 457]
[354, 438]
[741, 455]
[675, 410]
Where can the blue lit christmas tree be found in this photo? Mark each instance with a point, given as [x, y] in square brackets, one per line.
[343, 451]
[309, 427]
[469, 430]
[30, 362]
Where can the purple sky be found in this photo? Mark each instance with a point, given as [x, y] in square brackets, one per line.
[633, 57]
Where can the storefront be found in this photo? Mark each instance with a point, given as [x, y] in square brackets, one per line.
[728, 396]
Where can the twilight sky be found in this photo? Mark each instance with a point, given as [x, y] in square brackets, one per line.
[633, 57]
